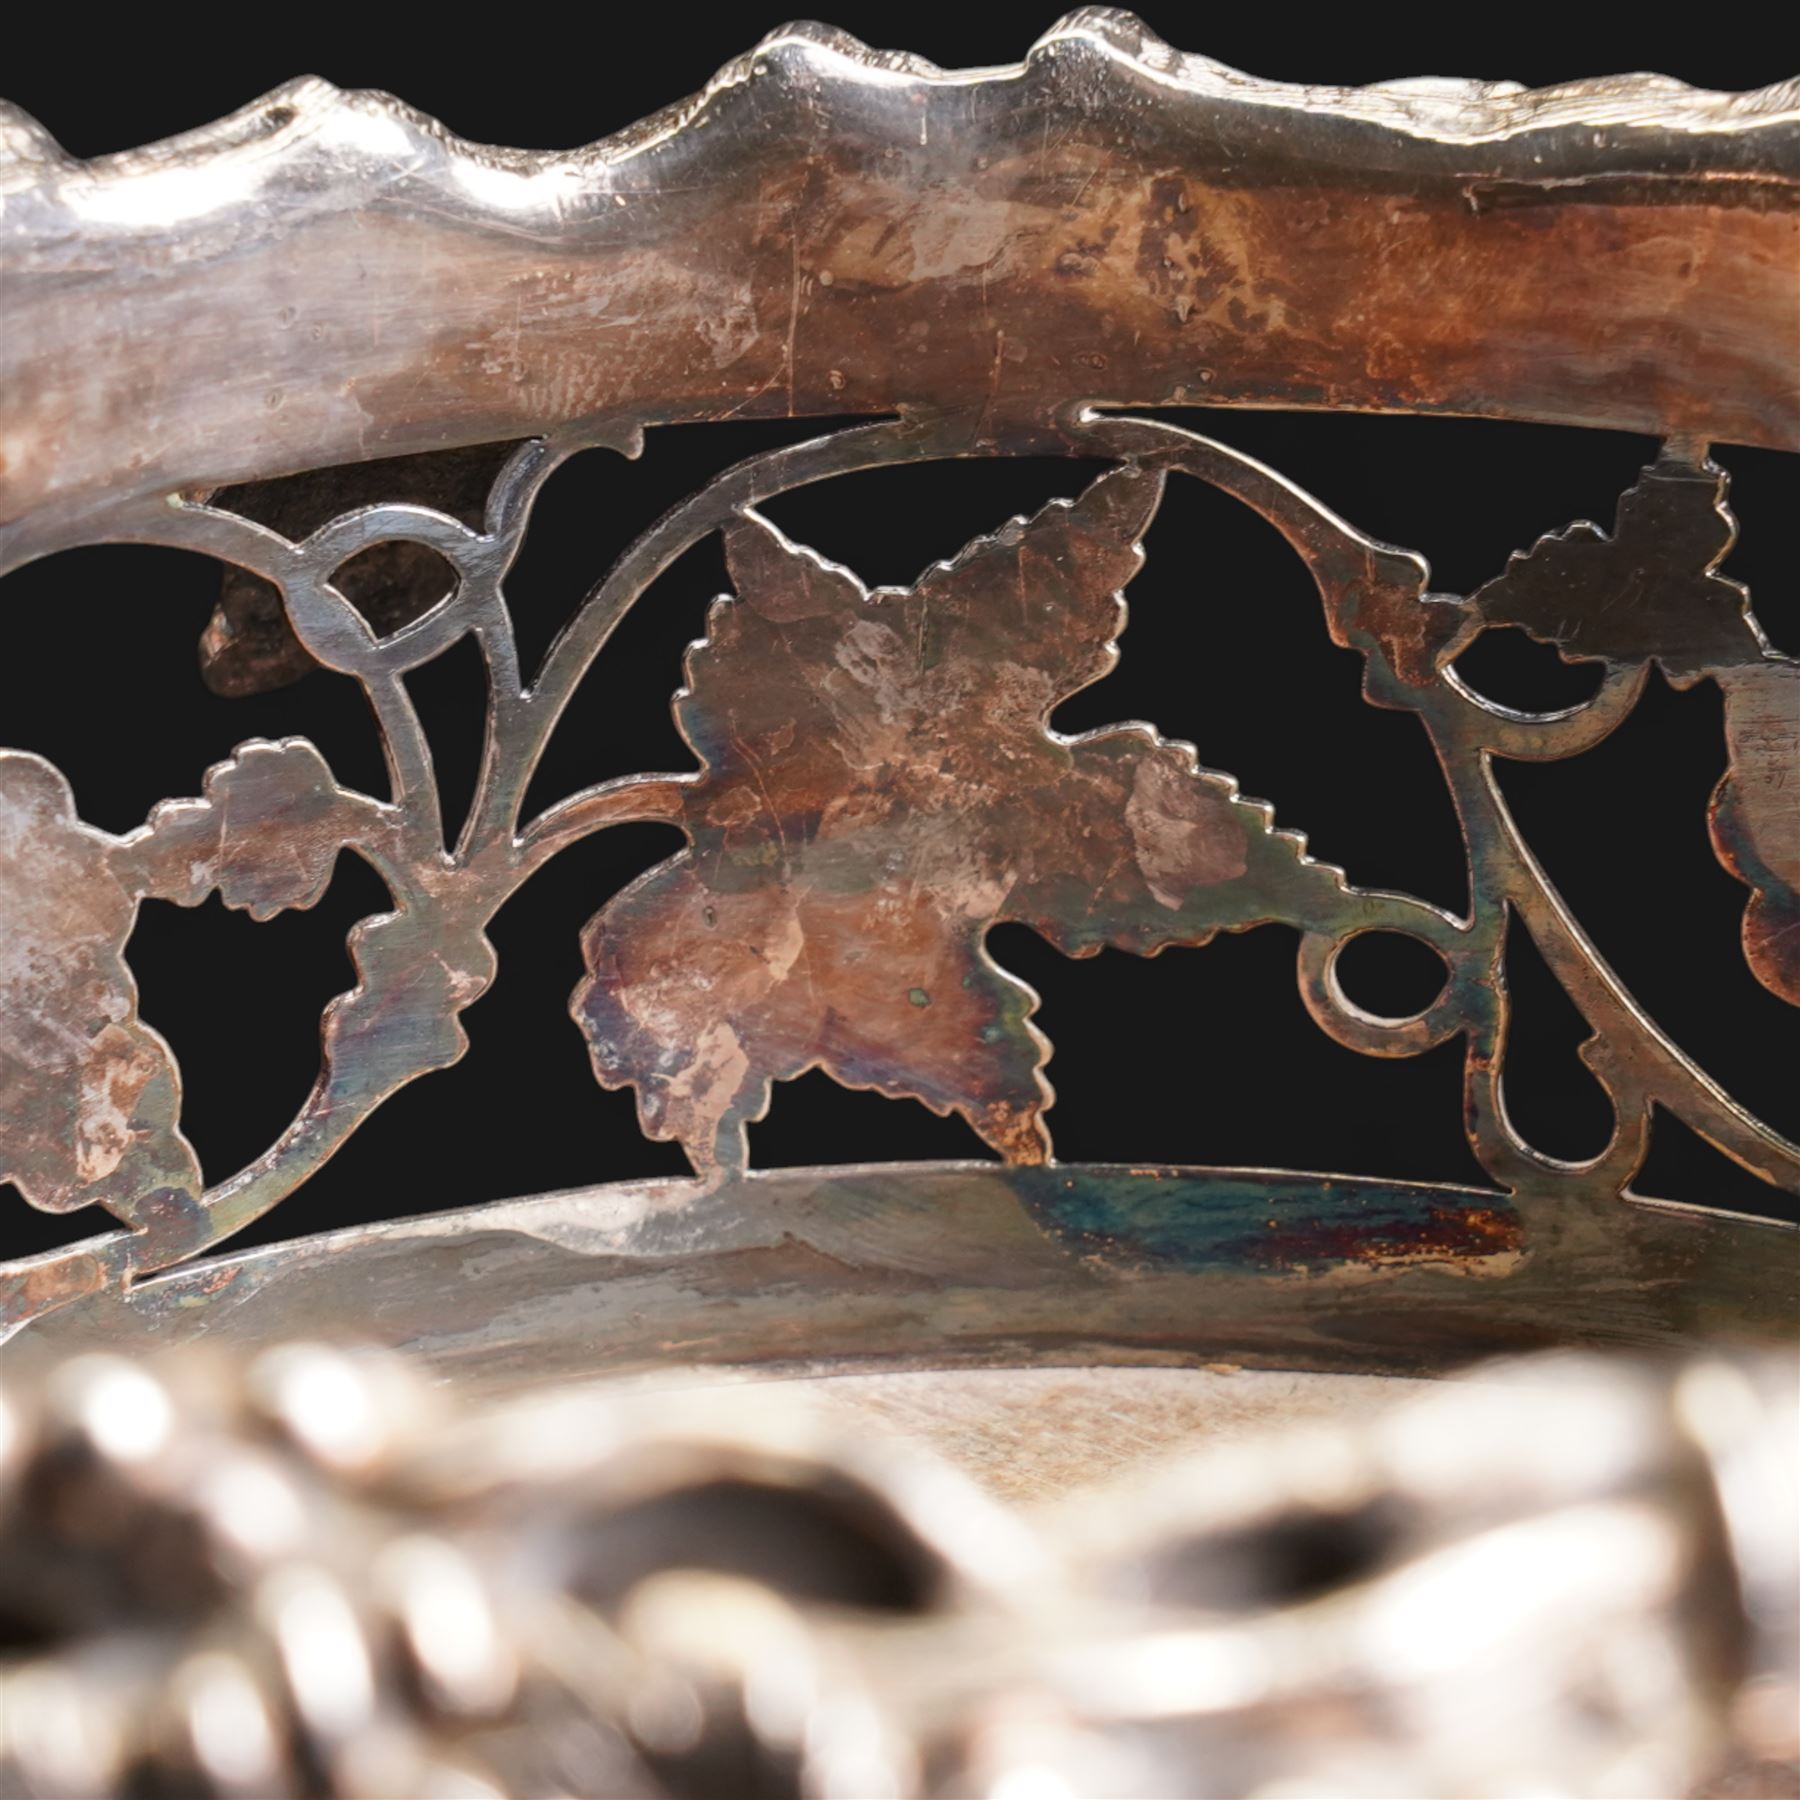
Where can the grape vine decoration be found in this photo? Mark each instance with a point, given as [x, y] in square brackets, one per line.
[877, 785]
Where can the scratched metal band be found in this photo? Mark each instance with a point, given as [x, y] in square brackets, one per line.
[877, 784]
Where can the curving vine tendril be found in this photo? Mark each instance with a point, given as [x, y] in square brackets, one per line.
[878, 786]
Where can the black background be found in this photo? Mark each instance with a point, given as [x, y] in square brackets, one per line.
[1198, 1056]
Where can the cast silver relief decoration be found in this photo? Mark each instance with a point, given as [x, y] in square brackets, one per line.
[261, 1566]
[1015, 261]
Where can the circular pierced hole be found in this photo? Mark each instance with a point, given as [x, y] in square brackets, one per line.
[393, 583]
[1388, 975]
[1506, 667]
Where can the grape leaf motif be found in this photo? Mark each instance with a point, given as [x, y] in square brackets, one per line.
[88, 1093]
[266, 832]
[1649, 588]
[1755, 815]
[415, 977]
[1652, 589]
[880, 787]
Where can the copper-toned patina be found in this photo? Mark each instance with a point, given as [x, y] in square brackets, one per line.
[1001, 261]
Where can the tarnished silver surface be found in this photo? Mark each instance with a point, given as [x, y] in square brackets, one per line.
[260, 1572]
[830, 228]
[871, 800]
[1001, 259]
[965, 1265]
[304, 1574]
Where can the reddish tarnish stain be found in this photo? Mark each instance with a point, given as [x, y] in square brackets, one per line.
[1447, 1234]
[881, 787]
[796, 244]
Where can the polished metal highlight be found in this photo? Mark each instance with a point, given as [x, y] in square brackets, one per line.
[304, 1574]
[1004, 260]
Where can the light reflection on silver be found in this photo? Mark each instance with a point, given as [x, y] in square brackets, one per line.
[120, 1408]
[323, 1655]
[326, 1400]
[248, 1500]
[61, 1738]
[1579, 1579]
[233, 1738]
[449, 1625]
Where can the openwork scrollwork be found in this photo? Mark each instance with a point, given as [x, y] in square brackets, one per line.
[878, 786]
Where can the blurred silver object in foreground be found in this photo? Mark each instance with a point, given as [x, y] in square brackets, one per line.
[303, 1575]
